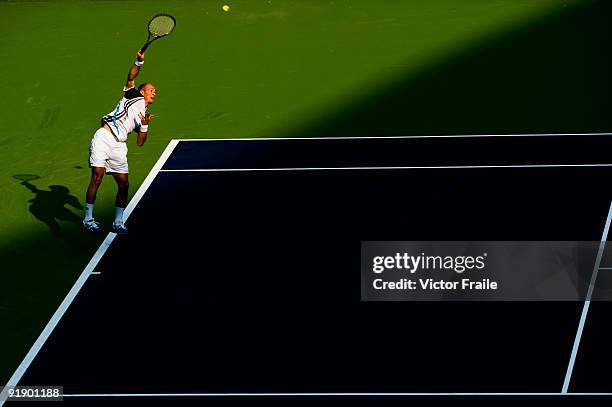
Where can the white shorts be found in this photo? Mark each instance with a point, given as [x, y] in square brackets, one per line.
[105, 151]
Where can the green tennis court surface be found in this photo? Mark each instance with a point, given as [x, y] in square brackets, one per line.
[264, 69]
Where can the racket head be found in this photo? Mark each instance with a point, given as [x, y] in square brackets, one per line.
[161, 25]
[26, 177]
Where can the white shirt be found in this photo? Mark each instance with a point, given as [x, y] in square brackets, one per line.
[126, 116]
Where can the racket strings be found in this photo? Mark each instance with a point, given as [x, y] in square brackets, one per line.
[26, 177]
[161, 25]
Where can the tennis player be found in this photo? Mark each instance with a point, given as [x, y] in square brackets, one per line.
[108, 149]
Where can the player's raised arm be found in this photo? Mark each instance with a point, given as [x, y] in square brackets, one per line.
[135, 69]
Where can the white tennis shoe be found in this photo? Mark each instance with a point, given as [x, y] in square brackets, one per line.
[92, 226]
[119, 228]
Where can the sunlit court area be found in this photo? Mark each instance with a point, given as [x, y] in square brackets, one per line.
[379, 202]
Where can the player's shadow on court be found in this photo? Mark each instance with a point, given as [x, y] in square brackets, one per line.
[49, 206]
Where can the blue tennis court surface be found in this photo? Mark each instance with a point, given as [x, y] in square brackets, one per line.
[241, 273]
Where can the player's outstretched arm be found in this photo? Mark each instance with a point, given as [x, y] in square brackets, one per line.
[135, 69]
[30, 186]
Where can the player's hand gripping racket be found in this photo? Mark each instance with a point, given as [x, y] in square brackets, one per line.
[159, 26]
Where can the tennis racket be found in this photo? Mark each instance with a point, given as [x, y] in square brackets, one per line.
[26, 177]
[159, 26]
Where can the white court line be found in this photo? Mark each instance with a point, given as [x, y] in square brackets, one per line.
[332, 394]
[401, 137]
[587, 303]
[78, 285]
[441, 167]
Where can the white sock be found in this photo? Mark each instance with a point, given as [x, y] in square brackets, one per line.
[119, 214]
[88, 212]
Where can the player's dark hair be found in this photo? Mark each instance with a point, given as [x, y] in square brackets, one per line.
[143, 85]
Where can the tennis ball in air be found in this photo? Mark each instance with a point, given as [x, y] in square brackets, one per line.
[225, 8]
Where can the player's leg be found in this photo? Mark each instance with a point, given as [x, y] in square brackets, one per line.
[97, 174]
[117, 165]
[123, 185]
[98, 155]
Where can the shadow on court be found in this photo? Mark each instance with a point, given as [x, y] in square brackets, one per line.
[39, 268]
[549, 76]
[49, 206]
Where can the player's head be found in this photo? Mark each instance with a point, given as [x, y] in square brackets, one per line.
[148, 91]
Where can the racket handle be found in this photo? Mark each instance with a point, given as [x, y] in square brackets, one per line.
[144, 47]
